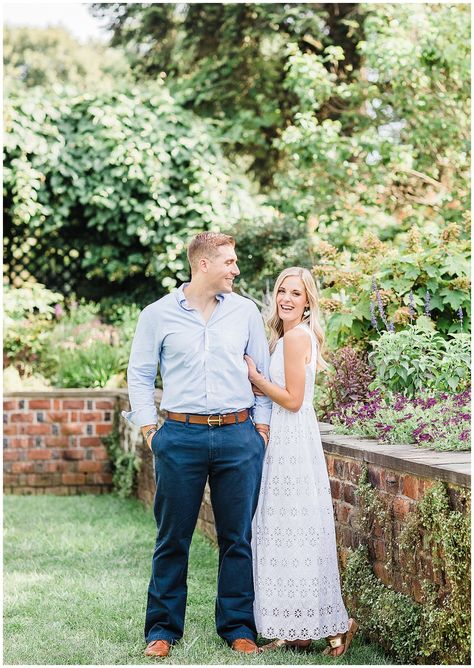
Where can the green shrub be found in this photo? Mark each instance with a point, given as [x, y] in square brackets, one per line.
[436, 630]
[29, 316]
[108, 188]
[417, 359]
[403, 271]
[93, 366]
[125, 463]
[390, 617]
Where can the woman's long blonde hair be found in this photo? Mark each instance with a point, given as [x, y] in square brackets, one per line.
[275, 324]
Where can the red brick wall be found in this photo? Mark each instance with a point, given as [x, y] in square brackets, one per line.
[52, 443]
[398, 494]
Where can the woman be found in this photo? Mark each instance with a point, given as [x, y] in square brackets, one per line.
[297, 590]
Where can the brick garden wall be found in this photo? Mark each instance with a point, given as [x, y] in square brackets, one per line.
[399, 493]
[52, 442]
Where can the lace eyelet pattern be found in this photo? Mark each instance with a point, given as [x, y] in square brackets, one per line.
[296, 574]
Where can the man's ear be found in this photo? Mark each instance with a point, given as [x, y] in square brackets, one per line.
[203, 264]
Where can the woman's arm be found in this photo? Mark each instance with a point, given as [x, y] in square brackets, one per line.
[296, 348]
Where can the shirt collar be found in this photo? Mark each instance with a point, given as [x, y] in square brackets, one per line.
[181, 297]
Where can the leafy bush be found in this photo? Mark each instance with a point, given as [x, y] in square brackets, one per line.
[125, 463]
[94, 366]
[442, 531]
[397, 277]
[348, 380]
[82, 351]
[124, 318]
[440, 422]
[109, 187]
[384, 614]
[437, 630]
[29, 315]
[418, 358]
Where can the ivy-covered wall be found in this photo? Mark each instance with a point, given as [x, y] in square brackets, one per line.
[404, 547]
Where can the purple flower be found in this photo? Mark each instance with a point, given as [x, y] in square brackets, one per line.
[465, 435]
[379, 302]
[381, 309]
[427, 304]
[373, 317]
[58, 311]
[425, 437]
[411, 305]
[460, 315]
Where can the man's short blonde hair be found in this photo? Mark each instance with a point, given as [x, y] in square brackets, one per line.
[206, 244]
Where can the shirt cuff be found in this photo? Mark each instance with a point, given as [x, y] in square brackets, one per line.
[261, 415]
[142, 416]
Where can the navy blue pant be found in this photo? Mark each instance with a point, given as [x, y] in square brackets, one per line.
[186, 455]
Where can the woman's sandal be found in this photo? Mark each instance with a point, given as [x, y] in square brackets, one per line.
[291, 644]
[341, 640]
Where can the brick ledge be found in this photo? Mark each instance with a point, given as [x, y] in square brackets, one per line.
[450, 466]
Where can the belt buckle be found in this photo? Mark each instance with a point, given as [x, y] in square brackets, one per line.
[214, 420]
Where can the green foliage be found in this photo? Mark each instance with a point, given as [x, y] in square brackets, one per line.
[111, 186]
[81, 351]
[227, 62]
[437, 631]
[94, 366]
[455, 371]
[32, 299]
[371, 509]
[393, 150]
[66, 344]
[390, 617]
[125, 463]
[50, 57]
[435, 529]
[438, 265]
[123, 317]
[29, 313]
[336, 119]
[418, 358]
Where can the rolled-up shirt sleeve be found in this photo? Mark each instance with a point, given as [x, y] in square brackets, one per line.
[142, 370]
[257, 348]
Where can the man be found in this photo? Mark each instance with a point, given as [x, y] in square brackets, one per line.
[199, 334]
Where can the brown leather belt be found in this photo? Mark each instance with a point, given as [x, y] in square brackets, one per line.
[210, 420]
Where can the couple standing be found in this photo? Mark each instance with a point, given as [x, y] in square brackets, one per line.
[278, 572]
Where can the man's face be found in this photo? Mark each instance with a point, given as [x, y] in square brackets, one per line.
[222, 269]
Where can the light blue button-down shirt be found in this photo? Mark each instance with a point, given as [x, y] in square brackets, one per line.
[202, 364]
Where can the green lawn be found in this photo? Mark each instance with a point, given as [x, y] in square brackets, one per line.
[76, 571]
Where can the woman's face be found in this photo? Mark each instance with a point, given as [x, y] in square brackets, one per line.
[291, 299]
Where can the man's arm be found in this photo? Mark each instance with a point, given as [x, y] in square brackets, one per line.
[258, 344]
[141, 374]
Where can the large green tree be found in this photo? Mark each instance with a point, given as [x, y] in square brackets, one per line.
[102, 192]
[348, 116]
[227, 62]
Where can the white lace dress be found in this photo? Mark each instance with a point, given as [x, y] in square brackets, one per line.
[296, 574]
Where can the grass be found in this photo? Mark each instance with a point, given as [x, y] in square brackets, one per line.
[76, 572]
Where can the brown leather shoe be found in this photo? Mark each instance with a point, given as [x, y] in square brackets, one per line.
[160, 648]
[246, 646]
